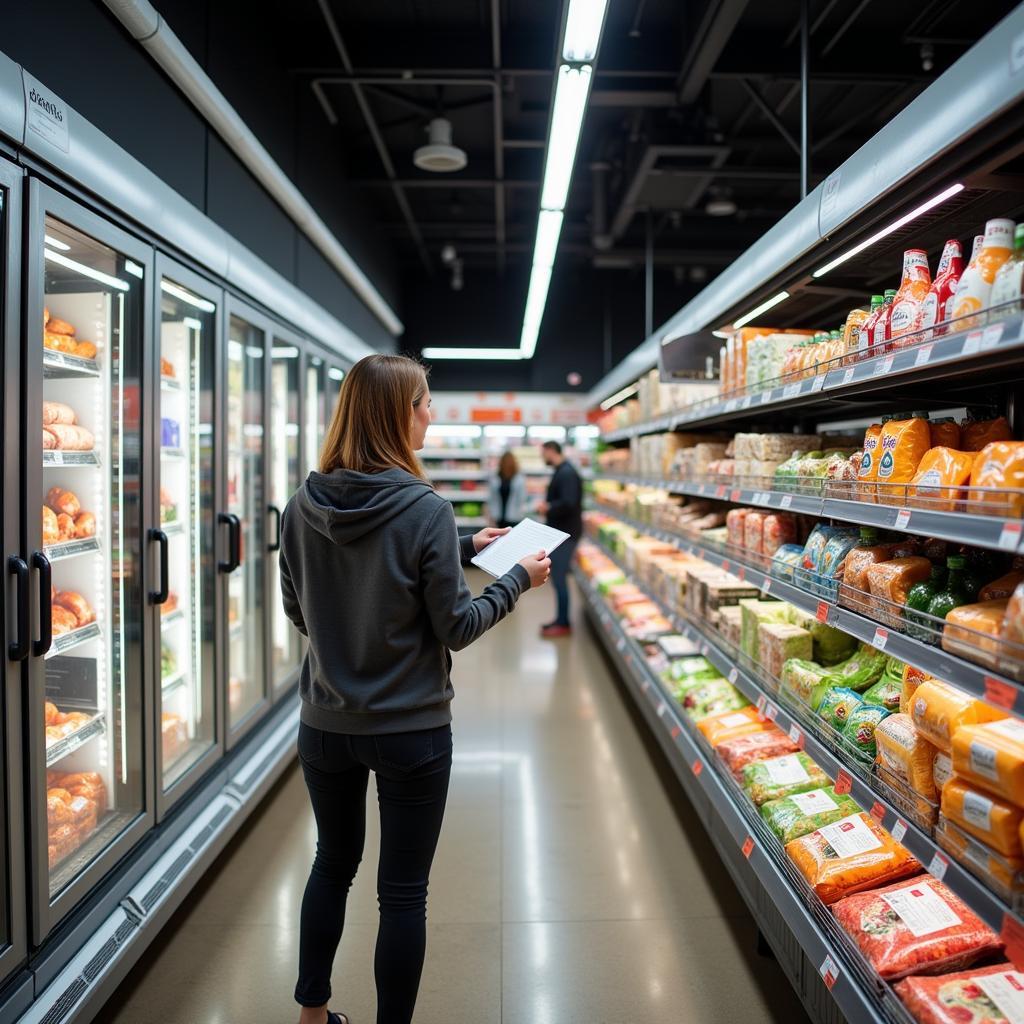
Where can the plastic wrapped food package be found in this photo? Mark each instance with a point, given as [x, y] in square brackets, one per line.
[939, 709]
[859, 731]
[902, 446]
[782, 776]
[937, 484]
[944, 433]
[975, 630]
[786, 560]
[835, 704]
[753, 531]
[942, 769]
[885, 693]
[976, 434]
[759, 746]
[778, 529]
[1001, 874]
[889, 583]
[714, 697]
[912, 679]
[1001, 588]
[906, 754]
[831, 645]
[734, 523]
[917, 927]
[780, 641]
[961, 998]
[860, 671]
[1012, 631]
[849, 856]
[855, 574]
[992, 756]
[754, 612]
[799, 679]
[830, 565]
[815, 546]
[798, 814]
[988, 818]
[1000, 466]
[717, 729]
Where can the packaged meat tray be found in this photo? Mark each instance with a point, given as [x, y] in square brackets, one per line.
[736, 754]
[980, 995]
[801, 813]
[917, 927]
[988, 818]
[992, 756]
[782, 776]
[849, 856]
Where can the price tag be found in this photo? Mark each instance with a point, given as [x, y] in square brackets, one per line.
[745, 404]
[734, 674]
[899, 830]
[880, 639]
[878, 811]
[844, 781]
[817, 384]
[735, 496]
[721, 490]
[786, 501]
[662, 708]
[938, 866]
[883, 366]
[1012, 934]
[748, 847]
[55, 358]
[1009, 537]
[972, 344]
[990, 336]
[741, 573]
[730, 406]
[791, 391]
[697, 766]
[1003, 695]
[761, 703]
[822, 612]
[924, 353]
[848, 374]
[766, 585]
[796, 736]
[620, 644]
[903, 519]
[57, 458]
[645, 685]
[770, 711]
[675, 731]
[725, 564]
[829, 972]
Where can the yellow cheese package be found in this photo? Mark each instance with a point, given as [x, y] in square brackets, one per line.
[939, 478]
[1001, 874]
[912, 679]
[974, 631]
[992, 756]
[999, 474]
[727, 726]
[986, 817]
[939, 709]
[902, 751]
[942, 770]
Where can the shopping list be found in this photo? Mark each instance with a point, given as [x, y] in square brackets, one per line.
[528, 538]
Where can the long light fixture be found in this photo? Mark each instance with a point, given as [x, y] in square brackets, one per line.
[451, 352]
[56, 243]
[549, 227]
[186, 296]
[571, 92]
[81, 268]
[536, 297]
[619, 396]
[763, 308]
[583, 29]
[894, 226]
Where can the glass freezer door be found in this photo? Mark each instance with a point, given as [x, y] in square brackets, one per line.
[186, 530]
[315, 425]
[285, 641]
[245, 521]
[84, 445]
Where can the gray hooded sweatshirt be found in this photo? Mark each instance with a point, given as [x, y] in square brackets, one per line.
[371, 573]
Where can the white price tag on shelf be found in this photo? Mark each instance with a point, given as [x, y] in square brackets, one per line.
[829, 972]
[734, 674]
[880, 638]
[745, 404]
[990, 336]
[817, 384]
[620, 644]
[796, 736]
[1010, 536]
[924, 353]
[791, 391]
[903, 519]
[730, 406]
[972, 344]
[899, 830]
[848, 374]
[57, 458]
[766, 585]
[645, 685]
[883, 366]
[938, 866]
[662, 708]
[786, 501]
[770, 711]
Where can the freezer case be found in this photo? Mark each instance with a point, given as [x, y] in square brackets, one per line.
[315, 410]
[83, 330]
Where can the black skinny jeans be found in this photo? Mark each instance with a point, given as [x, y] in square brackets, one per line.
[412, 769]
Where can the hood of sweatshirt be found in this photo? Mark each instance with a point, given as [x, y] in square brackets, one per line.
[344, 505]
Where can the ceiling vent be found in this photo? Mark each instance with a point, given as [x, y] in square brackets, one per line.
[439, 155]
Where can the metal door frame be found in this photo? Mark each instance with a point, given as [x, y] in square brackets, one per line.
[167, 266]
[237, 307]
[42, 199]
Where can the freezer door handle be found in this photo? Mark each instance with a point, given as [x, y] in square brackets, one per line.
[234, 526]
[19, 648]
[161, 595]
[42, 564]
[276, 513]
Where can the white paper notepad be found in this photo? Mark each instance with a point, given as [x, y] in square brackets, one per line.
[528, 538]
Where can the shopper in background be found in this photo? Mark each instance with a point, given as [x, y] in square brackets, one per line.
[370, 573]
[564, 509]
[507, 500]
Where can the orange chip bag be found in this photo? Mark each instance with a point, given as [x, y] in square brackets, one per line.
[941, 466]
[719, 728]
[1000, 465]
[975, 434]
[902, 446]
[944, 433]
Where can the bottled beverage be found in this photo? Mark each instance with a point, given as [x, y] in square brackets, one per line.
[919, 597]
[855, 320]
[953, 593]
[976, 245]
[975, 286]
[951, 266]
[867, 327]
[913, 289]
[883, 325]
[1009, 282]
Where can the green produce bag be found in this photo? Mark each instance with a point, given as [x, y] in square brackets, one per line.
[831, 646]
[835, 704]
[859, 731]
[754, 612]
[800, 677]
[692, 668]
[858, 672]
[782, 776]
[711, 697]
[802, 813]
[885, 694]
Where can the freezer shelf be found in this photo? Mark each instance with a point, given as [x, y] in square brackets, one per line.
[71, 549]
[69, 744]
[69, 641]
[63, 366]
[70, 459]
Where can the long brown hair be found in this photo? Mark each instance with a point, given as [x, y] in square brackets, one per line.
[508, 467]
[372, 424]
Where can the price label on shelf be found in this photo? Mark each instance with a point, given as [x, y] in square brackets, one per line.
[620, 644]
[725, 564]
[848, 374]
[748, 847]
[1010, 536]
[721, 490]
[817, 384]
[57, 458]
[880, 639]
[735, 496]
[899, 830]
[741, 573]
[938, 866]
[883, 366]
[796, 736]
[662, 708]
[844, 781]
[822, 612]
[791, 391]
[675, 731]
[697, 766]
[924, 353]
[704, 650]
[878, 811]
[786, 501]
[1012, 934]
[990, 336]
[770, 711]
[645, 685]
[55, 358]
[972, 344]
[1003, 695]
[766, 585]
[903, 519]
[730, 406]
[762, 701]
[745, 404]
[829, 972]
[734, 674]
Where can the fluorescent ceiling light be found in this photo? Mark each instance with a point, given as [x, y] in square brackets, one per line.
[583, 29]
[192, 322]
[56, 243]
[81, 268]
[619, 396]
[540, 278]
[506, 431]
[549, 227]
[454, 430]
[134, 269]
[763, 308]
[442, 352]
[335, 373]
[284, 352]
[547, 433]
[588, 431]
[186, 296]
[894, 226]
[571, 92]
[254, 351]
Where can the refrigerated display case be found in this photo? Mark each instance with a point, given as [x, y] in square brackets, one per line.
[335, 375]
[245, 519]
[315, 419]
[285, 476]
[85, 320]
[185, 594]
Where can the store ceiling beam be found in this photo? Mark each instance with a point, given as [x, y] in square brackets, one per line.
[708, 42]
[648, 99]
[765, 107]
[759, 71]
[844, 28]
[448, 182]
[823, 14]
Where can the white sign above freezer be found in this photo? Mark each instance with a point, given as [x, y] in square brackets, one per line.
[46, 115]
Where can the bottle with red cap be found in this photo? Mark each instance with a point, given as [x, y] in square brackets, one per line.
[951, 266]
[910, 296]
[882, 331]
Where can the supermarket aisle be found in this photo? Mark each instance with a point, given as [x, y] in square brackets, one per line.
[567, 887]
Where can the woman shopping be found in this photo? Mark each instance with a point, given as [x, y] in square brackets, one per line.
[506, 503]
[370, 573]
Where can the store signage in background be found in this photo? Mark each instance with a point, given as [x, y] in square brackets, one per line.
[496, 415]
[47, 116]
[512, 407]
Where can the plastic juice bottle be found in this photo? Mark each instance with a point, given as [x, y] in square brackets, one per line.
[919, 597]
[975, 287]
[883, 325]
[953, 593]
[855, 320]
[913, 290]
[867, 328]
[951, 266]
[1009, 282]
[947, 313]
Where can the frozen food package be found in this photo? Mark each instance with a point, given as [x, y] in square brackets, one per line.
[780, 641]
[999, 467]
[902, 445]
[975, 630]
[938, 482]
[859, 731]
[758, 746]
[835, 704]
[753, 531]
[849, 856]
[779, 528]
[727, 726]
[938, 709]
[994, 821]
[967, 997]
[793, 816]
[916, 927]
[906, 754]
[889, 583]
[977, 434]
[734, 522]
[992, 756]
[799, 678]
[782, 776]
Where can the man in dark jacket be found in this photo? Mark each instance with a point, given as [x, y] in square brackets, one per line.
[564, 510]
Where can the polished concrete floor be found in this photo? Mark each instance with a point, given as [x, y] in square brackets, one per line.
[571, 886]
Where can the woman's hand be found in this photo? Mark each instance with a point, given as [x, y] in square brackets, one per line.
[539, 568]
[488, 536]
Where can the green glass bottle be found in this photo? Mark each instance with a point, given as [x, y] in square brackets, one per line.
[954, 593]
[919, 597]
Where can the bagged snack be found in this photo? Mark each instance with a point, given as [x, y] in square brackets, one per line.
[799, 678]
[916, 927]
[713, 697]
[992, 756]
[778, 529]
[734, 524]
[780, 641]
[859, 672]
[815, 546]
[782, 776]
[905, 753]
[867, 475]
[974, 631]
[992, 820]
[902, 446]
[977, 434]
[753, 531]
[889, 583]
[835, 704]
[939, 478]
[830, 565]
[758, 746]
[849, 856]
[800, 813]
[719, 728]
[962, 998]
[1000, 465]
[939, 709]
[944, 433]
[885, 693]
[785, 560]
[859, 731]
[912, 679]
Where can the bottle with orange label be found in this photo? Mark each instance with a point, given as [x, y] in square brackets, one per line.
[976, 285]
[951, 267]
[913, 290]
